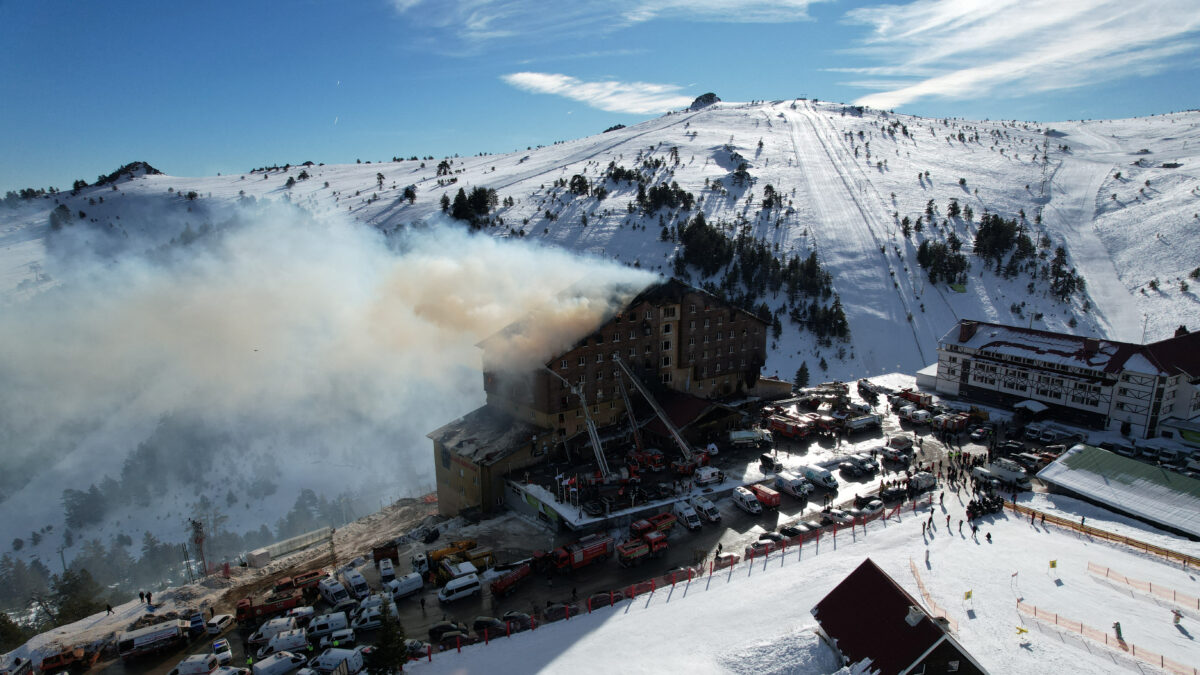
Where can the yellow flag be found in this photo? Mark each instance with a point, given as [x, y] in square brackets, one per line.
[1053, 564]
[967, 595]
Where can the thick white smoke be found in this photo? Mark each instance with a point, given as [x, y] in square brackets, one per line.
[321, 351]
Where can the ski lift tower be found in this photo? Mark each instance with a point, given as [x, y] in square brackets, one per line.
[198, 541]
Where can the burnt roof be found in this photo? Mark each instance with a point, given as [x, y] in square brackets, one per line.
[485, 435]
[865, 615]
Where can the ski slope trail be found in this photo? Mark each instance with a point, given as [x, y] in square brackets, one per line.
[1071, 213]
[847, 242]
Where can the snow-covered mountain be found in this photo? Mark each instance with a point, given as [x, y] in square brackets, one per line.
[271, 262]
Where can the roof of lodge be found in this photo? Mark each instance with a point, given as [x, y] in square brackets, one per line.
[1173, 356]
[1144, 490]
[613, 301]
[485, 435]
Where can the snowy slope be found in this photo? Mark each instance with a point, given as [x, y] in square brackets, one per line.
[755, 618]
[847, 178]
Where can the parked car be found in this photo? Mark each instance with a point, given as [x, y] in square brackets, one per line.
[772, 536]
[851, 469]
[895, 455]
[455, 639]
[437, 630]
[892, 494]
[560, 611]
[873, 506]
[218, 624]
[836, 516]
[494, 627]
[980, 434]
[726, 559]
[760, 548]
[517, 621]
[794, 529]
[224, 654]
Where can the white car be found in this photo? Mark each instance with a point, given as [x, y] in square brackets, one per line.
[219, 623]
[339, 638]
[224, 654]
[837, 516]
[873, 506]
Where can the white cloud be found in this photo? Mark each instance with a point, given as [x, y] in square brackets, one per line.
[640, 98]
[480, 21]
[975, 48]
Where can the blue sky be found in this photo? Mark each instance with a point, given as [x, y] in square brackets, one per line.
[202, 88]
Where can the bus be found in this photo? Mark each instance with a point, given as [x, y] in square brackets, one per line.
[150, 639]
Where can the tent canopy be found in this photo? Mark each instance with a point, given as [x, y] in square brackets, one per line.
[1032, 406]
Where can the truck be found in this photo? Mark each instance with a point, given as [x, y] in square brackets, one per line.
[592, 548]
[424, 563]
[252, 609]
[862, 423]
[765, 495]
[786, 481]
[635, 551]
[386, 551]
[508, 583]
[159, 637]
[789, 427]
[451, 569]
[706, 509]
[304, 582]
[750, 438]
[921, 400]
[1005, 470]
[662, 522]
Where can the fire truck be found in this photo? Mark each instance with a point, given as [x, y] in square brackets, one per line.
[633, 552]
[249, 608]
[592, 548]
[508, 583]
[663, 522]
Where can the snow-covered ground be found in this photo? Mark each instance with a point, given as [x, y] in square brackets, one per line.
[847, 178]
[755, 618]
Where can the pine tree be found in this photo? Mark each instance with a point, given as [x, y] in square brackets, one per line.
[802, 375]
[445, 203]
[390, 652]
[75, 595]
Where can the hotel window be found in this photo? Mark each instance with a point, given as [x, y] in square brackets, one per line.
[668, 312]
[666, 345]
[666, 361]
[692, 309]
[666, 329]
[582, 361]
[563, 364]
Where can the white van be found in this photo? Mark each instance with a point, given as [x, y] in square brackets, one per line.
[286, 641]
[405, 586]
[746, 501]
[328, 661]
[706, 509]
[387, 571]
[331, 591]
[374, 601]
[459, 588]
[788, 482]
[279, 663]
[820, 477]
[356, 583]
[687, 515]
[199, 664]
[327, 623]
[272, 628]
[370, 619]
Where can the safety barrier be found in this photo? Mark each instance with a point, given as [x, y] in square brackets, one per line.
[602, 599]
[935, 608]
[1087, 631]
[1187, 560]
[1181, 599]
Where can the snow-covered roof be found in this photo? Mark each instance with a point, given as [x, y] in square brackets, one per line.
[1179, 354]
[1150, 492]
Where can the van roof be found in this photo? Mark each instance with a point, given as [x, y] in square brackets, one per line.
[463, 581]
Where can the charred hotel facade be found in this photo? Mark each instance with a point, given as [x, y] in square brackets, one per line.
[695, 354]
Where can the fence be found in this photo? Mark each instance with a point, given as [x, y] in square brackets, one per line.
[935, 608]
[1181, 599]
[282, 548]
[1087, 631]
[600, 600]
[1187, 560]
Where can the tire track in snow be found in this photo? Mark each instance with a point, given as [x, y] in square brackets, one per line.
[862, 282]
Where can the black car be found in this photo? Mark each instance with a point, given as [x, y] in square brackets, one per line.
[851, 469]
[517, 621]
[437, 630]
[560, 611]
[773, 536]
[494, 627]
[794, 529]
[892, 494]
